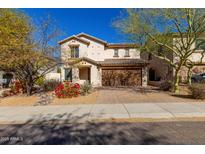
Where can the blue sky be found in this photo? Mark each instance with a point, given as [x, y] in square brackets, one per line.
[96, 22]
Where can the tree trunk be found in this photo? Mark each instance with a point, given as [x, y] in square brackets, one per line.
[28, 89]
[29, 86]
[189, 75]
[176, 82]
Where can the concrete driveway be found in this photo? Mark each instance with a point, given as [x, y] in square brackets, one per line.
[138, 95]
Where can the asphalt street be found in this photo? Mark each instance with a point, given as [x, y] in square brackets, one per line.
[137, 133]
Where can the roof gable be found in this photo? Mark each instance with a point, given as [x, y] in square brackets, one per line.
[78, 60]
[74, 38]
[91, 38]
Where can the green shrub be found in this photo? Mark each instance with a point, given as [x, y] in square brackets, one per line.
[86, 88]
[40, 81]
[197, 90]
[58, 70]
[166, 86]
[50, 85]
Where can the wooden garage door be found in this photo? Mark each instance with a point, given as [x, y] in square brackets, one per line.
[122, 77]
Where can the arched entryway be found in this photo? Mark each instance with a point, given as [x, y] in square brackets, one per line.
[152, 74]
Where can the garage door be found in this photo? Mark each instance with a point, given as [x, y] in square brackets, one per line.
[122, 77]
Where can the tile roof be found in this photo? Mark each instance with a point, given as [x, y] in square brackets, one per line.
[110, 62]
[122, 45]
[122, 62]
[106, 44]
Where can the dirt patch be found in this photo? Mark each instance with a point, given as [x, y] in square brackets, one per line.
[23, 100]
[19, 100]
[108, 95]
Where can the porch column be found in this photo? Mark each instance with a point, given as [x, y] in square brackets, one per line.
[75, 74]
[62, 74]
[144, 76]
[1, 78]
[1, 74]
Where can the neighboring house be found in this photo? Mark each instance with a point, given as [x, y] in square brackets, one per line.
[159, 70]
[5, 78]
[87, 58]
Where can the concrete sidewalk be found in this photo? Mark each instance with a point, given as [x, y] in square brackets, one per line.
[23, 114]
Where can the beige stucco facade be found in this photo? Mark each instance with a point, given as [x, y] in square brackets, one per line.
[95, 78]
[97, 51]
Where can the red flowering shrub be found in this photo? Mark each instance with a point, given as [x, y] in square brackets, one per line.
[17, 87]
[67, 90]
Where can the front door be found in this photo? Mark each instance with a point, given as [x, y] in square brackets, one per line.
[84, 74]
[68, 74]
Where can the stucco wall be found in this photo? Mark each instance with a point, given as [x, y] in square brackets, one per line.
[195, 57]
[53, 76]
[95, 51]
[95, 77]
[163, 70]
[65, 49]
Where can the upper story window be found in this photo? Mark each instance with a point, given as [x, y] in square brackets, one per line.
[200, 44]
[116, 54]
[127, 53]
[74, 51]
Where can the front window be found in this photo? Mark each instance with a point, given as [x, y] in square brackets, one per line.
[116, 53]
[127, 53]
[74, 51]
[68, 74]
[200, 44]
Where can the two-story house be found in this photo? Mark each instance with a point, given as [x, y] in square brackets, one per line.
[87, 58]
